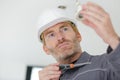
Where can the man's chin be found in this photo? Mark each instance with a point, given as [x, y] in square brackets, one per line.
[66, 53]
[65, 57]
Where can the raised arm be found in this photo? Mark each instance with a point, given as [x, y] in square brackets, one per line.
[99, 20]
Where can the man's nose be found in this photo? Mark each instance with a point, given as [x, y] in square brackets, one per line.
[60, 37]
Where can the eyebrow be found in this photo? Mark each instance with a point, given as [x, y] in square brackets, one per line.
[47, 32]
[64, 25]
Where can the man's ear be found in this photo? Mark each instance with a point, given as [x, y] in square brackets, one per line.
[78, 36]
[46, 49]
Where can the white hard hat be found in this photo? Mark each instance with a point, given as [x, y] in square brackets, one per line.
[51, 17]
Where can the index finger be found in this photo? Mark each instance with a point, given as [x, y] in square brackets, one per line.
[94, 8]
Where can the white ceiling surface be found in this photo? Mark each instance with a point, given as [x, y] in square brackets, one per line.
[19, 45]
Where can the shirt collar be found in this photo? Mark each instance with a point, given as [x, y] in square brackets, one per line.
[85, 57]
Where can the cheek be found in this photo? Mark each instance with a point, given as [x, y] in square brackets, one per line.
[71, 36]
[51, 45]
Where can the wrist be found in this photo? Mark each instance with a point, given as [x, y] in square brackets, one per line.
[114, 42]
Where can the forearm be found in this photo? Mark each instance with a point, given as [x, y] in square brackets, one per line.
[114, 42]
[109, 48]
[99, 20]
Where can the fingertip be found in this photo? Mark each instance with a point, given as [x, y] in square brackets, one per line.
[54, 64]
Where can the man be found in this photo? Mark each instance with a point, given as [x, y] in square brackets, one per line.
[61, 39]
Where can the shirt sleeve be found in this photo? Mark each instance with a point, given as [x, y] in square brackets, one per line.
[114, 56]
[114, 59]
[109, 50]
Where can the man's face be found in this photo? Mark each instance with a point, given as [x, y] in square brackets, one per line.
[61, 41]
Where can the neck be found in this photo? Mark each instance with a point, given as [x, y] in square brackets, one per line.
[71, 59]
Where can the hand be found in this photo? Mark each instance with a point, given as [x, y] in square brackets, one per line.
[98, 19]
[50, 72]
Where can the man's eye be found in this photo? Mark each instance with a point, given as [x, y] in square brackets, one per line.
[65, 28]
[51, 35]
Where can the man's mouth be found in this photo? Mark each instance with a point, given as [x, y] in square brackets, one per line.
[63, 45]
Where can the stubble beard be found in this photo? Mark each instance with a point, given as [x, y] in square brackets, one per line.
[68, 56]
